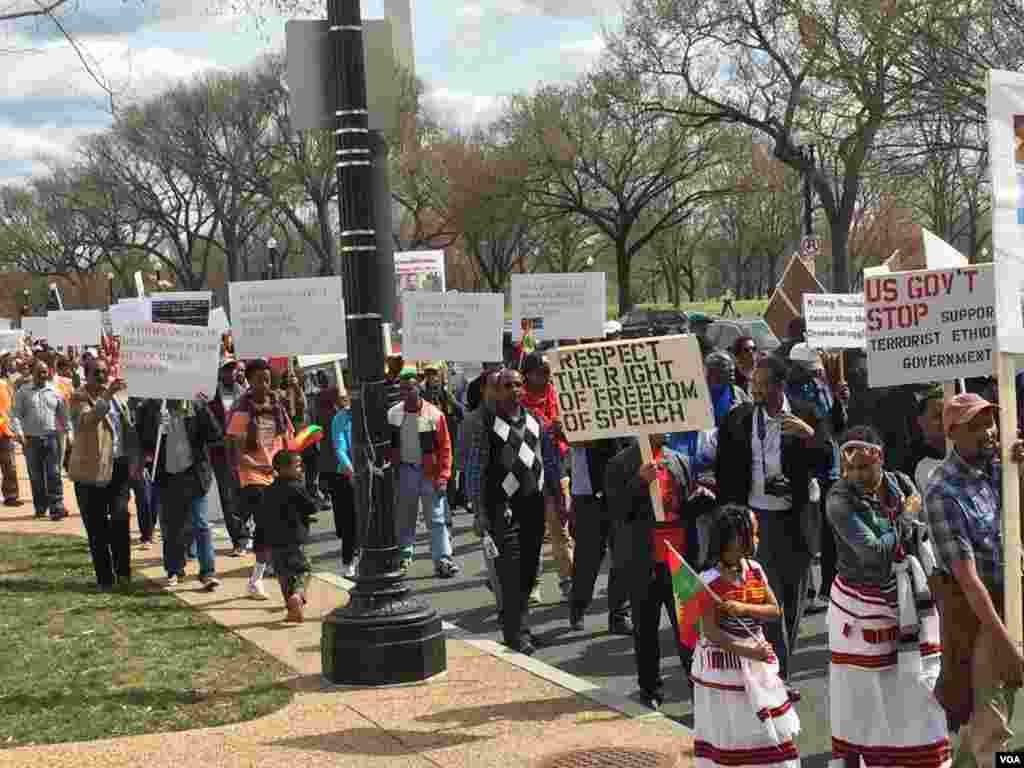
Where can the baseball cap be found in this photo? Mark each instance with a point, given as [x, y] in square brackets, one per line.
[409, 372]
[719, 359]
[962, 408]
[802, 353]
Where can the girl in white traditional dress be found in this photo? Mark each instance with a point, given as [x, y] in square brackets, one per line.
[742, 711]
[883, 634]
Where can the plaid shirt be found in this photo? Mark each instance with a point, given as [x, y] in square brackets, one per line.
[474, 455]
[963, 505]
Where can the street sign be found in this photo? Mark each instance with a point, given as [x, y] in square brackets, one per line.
[310, 90]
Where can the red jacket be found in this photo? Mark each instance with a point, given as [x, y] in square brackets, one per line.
[545, 407]
[435, 442]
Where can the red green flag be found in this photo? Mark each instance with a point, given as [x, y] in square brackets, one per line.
[693, 598]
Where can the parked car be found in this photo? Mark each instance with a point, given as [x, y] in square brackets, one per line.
[722, 334]
[642, 323]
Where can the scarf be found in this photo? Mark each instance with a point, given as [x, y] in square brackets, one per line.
[247, 405]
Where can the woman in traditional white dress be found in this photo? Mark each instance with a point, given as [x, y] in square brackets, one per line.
[883, 631]
[743, 715]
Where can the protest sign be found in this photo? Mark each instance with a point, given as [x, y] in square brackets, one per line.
[219, 320]
[417, 271]
[939, 254]
[106, 323]
[10, 341]
[787, 298]
[182, 307]
[37, 326]
[74, 328]
[569, 306]
[834, 320]
[931, 325]
[452, 326]
[634, 387]
[302, 316]
[129, 311]
[161, 360]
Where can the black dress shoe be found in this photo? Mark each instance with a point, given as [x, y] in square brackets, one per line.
[524, 646]
[620, 625]
[652, 699]
[532, 639]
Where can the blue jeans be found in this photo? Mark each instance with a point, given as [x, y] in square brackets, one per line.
[414, 488]
[43, 459]
[184, 519]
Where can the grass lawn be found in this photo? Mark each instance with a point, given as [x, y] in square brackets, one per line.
[77, 664]
[745, 307]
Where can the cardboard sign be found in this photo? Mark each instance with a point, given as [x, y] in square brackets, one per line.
[275, 318]
[635, 387]
[160, 360]
[788, 298]
[932, 325]
[36, 326]
[939, 254]
[834, 320]
[74, 328]
[569, 306]
[452, 326]
[182, 307]
[1006, 153]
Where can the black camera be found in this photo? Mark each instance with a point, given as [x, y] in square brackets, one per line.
[778, 486]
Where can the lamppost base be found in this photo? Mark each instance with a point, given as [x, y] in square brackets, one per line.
[382, 637]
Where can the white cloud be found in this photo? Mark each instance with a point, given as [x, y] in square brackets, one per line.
[462, 109]
[580, 55]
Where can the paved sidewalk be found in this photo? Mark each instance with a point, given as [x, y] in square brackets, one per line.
[491, 708]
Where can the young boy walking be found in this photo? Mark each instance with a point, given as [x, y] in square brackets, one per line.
[287, 512]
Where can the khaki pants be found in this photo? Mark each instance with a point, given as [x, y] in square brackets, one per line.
[9, 471]
[562, 545]
[987, 732]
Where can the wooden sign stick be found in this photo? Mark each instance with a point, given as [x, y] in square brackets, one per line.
[1013, 612]
[647, 456]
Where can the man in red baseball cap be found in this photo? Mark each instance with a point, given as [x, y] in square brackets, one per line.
[982, 667]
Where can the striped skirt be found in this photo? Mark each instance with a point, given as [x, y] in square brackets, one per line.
[881, 705]
[730, 729]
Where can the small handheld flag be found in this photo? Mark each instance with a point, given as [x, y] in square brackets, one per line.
[693, 598]
[309, 436]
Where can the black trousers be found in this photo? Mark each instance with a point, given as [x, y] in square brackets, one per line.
[519, 540]
[786, 561]
[648, 600]
[343, 504]
[828, 547]
[227, 490]
[104, 511]
[595, 535]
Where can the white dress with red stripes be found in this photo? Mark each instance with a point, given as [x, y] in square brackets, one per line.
[742, 712]
[881, 708]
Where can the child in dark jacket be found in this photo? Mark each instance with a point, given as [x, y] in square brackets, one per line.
[287, 512]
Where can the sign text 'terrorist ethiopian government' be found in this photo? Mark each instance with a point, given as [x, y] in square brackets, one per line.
[635, 387]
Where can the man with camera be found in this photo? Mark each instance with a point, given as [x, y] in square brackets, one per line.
[768, 453]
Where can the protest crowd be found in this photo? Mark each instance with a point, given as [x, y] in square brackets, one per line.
[806, 492]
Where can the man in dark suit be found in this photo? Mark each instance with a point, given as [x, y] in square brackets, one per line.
[627, 485]
[768, 452]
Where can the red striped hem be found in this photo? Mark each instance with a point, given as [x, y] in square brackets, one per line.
[921, 756]
[773, 712]
[718, 686]
[871, 595]
[862, 617]
[930, 649]
[864, 660]
[758, 756]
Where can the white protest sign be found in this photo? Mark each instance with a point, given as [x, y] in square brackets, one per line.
[161, 360]
[282, 318]
[10, 341]
[834, 320]
[939, 254]
[452, 326]
[569, 306]
[931, 325]
[129, 311]
[219, 320]
[634, 387]
[311, 361]
[1006, 154]
[37, 326]
[74, 328]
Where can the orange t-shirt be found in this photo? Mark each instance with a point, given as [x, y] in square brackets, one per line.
[256, 467]
[671, 503]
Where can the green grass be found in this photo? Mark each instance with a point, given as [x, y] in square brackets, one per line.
[77, 664]
[745, 307]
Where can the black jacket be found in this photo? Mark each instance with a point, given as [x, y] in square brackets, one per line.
[203, 429]
[801, 461]
[286, 514]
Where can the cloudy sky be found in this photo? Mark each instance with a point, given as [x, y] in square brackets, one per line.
[470, 52]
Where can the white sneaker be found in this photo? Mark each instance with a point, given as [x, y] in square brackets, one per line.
[349, 571]
[209, 583]
[257, 591]
[172, 581]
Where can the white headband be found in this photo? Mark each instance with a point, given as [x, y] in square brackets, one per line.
[858, 444]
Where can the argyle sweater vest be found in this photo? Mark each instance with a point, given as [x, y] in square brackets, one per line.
[516, 468]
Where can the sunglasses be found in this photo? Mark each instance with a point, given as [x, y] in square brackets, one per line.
[855, 450]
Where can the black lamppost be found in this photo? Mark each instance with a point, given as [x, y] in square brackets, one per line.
[383, 636]
[807, 153]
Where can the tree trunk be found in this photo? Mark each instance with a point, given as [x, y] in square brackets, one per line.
[622, 266]
[840, 231]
